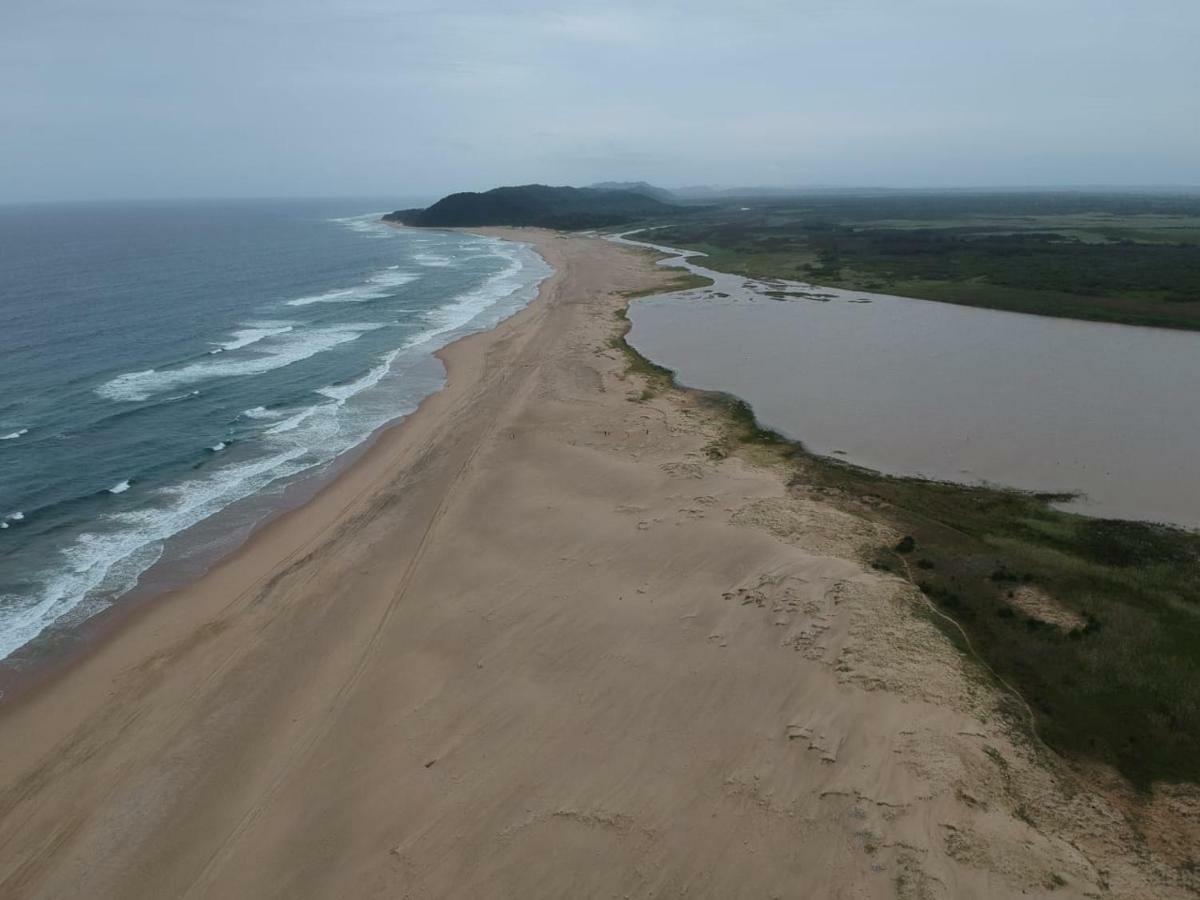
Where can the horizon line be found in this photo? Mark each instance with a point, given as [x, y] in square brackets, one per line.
[1091, 188]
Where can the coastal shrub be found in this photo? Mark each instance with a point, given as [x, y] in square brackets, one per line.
[1123, 688]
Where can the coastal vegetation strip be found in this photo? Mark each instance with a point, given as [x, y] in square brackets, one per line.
[1113, 258]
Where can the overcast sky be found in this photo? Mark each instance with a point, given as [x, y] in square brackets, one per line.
[193, 98]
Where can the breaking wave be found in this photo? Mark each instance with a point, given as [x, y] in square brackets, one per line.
[135, 386]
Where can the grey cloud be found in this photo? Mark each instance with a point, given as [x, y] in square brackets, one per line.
[158, 98]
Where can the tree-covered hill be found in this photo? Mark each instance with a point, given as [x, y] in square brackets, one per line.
[539, 205]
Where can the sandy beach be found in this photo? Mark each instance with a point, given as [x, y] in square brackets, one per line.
[538, 643]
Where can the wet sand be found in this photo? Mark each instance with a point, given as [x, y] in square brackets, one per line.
[536, 642]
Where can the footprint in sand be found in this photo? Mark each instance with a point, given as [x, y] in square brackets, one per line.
[683, 469]
[819, 742]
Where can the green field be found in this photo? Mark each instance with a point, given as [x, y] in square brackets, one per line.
[1132, 259]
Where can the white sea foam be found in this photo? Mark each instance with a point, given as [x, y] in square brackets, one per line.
[330, 428]
[352, 415]
[108, 559]
[369, 225]
[338, 296]
[260, 412]
[120, 487]
[291, 423]
[14, 435]
[507, 283]
[252, 334]
[17, 516]
[218, 447]
[374, 287]
[343, 392]
[432, 259]
[133, 386]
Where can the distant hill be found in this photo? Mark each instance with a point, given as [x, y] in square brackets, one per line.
[709, 193]
[537, 204]
[636, 187]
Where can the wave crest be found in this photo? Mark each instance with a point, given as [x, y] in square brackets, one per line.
[136, 386]
[374, 287]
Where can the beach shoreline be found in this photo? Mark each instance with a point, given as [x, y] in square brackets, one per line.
[540, 619]
[59, 647]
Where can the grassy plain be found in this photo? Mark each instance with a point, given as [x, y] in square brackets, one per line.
[1121, 258]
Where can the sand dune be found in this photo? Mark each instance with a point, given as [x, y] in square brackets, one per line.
[536, 643]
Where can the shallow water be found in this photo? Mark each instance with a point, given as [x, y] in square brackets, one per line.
[916, 387]
[161, 364]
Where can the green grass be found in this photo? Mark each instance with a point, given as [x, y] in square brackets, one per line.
[1118, 258]
[1124, 686]
[1129, 310]
[683, 281]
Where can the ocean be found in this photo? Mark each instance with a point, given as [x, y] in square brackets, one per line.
[164, 364]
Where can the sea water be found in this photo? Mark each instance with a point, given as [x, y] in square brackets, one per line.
[160, 363]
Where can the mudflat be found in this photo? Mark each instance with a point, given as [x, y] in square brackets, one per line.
[540, 641]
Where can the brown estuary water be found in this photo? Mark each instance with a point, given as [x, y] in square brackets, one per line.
[915, 387]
